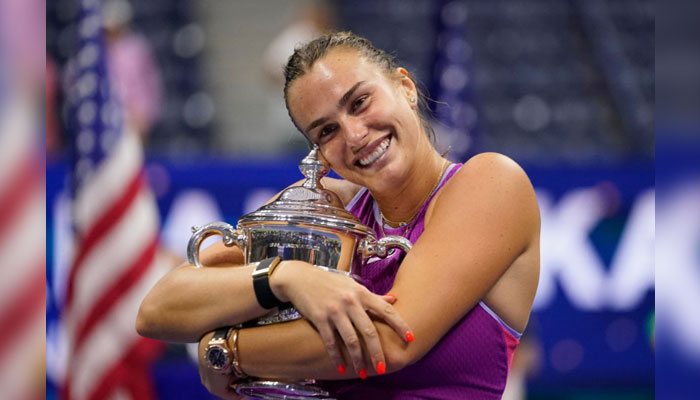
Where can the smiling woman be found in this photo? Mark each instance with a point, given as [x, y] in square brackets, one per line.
[440, 321]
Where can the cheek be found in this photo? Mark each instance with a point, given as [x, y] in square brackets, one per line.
[332, 152]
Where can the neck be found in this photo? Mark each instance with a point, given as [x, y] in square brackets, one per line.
[401, 208]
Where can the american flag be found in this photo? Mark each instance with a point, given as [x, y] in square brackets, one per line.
[22, 251]
[116, 227]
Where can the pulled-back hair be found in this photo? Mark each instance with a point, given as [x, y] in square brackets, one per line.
[305, 57]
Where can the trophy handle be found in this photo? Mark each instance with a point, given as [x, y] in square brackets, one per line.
[229, 236]
[372, 247]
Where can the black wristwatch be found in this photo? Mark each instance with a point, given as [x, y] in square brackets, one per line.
[218, 354]
[261, 284]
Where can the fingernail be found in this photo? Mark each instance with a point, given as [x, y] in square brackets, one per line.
[391, 295]
[409, 336]
[341, 369]
[363, 374]
[381, 368]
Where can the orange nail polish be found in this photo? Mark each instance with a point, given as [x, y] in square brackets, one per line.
[381, 368]
[409, 336]
[391, 295]
[363, 374]
[341, 369]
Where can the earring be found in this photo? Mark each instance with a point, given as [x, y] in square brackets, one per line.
[413, 100]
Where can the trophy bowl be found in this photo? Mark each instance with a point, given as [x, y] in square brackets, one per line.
[308, 223]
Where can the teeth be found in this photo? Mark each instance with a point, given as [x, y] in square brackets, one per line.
[376, 154]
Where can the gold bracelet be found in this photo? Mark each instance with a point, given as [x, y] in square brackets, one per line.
[235, 364]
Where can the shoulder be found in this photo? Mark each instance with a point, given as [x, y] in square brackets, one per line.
[490, 183]
[493, 164]
[490, 172]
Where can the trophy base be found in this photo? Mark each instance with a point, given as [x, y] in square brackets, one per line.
[289, 314]
[267, 390]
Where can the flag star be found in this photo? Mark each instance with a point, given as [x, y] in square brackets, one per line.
[87, 112]
[90, 26]
[90, 4]
[88, 55]
[84, 168]
[87, 85]
[86, 141]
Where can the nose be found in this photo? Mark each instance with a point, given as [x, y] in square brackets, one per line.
[356, 133]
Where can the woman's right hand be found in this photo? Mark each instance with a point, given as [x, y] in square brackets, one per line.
[335, 302]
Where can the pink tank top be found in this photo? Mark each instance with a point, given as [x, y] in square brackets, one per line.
[470, 362]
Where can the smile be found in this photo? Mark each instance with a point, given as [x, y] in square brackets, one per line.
[378, 152]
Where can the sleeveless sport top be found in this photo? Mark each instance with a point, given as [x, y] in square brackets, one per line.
[470, 362]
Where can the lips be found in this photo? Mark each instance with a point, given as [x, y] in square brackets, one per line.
[373, 152]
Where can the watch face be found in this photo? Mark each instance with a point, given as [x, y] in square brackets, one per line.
[217, 357]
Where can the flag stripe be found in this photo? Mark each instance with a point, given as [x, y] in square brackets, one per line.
[19, 374]
[26, 302]
[110, 339]
[116, 225]
[101, 227]
[21, 186]
[16, 141]
[109, 181]
[113, 255]
[106, 302]
[123, 370]
[25, 240]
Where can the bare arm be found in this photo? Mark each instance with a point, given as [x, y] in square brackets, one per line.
[481, 223]
[188, 301]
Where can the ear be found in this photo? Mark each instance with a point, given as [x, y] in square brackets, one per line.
[407, 86]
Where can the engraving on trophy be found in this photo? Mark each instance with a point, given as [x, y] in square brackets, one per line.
[300, 193]
[320, 248]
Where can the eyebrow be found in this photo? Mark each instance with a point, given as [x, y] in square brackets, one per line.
[341, 103]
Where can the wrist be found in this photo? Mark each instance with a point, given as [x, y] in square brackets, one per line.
[279, 280]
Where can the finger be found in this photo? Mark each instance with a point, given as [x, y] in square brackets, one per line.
[387, 312]
[329, 340]
[370, 337]
[389, 298]
[352, 341]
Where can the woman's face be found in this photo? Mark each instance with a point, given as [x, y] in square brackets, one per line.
[362, 119]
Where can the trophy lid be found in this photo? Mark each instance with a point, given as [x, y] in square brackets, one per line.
[308, 204]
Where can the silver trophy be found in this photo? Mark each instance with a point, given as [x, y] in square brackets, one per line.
[308, 223]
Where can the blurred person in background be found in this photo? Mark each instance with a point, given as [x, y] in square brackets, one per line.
[134, 72]
[441, 321]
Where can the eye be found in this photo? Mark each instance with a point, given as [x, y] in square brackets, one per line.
[358, 103]
[326, 130]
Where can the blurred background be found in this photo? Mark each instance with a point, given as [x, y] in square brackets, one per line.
[565, 88]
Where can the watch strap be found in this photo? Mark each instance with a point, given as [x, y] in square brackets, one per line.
[221, 333]
[261, 284]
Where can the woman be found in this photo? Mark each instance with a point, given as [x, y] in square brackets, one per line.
[464, 292]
